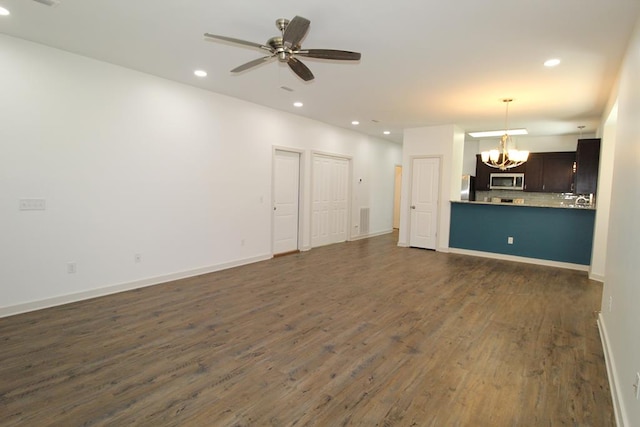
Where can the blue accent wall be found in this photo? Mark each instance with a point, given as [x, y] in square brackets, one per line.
[555, 234]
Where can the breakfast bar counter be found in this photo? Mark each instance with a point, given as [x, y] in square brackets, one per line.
[561, 233]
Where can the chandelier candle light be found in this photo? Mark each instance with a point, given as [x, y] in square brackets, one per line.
[505, 158]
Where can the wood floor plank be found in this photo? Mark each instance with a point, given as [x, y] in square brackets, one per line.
[360, 333]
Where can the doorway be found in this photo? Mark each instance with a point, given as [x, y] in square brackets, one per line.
[286, 201]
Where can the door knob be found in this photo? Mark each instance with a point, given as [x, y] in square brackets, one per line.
[274, 208]
[413, 207]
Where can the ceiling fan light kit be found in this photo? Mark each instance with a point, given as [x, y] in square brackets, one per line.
[287, 47]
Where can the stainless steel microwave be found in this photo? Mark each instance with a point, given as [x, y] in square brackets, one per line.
[506, 181]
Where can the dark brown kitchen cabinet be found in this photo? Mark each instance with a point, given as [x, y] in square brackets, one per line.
[533, 172]
[550, 172]
[558, 172]
[483, 173]
[587, 164]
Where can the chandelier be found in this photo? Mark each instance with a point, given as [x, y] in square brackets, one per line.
[504, 157]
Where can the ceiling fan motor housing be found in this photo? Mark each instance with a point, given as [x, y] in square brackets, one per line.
[277, 47]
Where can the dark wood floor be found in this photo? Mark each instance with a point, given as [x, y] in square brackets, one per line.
[361, 333]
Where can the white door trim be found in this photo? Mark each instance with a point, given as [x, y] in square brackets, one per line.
[397, 196]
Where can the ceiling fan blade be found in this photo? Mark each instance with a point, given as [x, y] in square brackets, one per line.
[252, 64]
[236, 41]
[342, 55]
[295, 32]
[300, 69]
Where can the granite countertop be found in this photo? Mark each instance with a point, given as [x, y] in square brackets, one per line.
[557, 206]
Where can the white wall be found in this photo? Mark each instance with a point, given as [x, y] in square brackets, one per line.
[603, 199]
[130, 163]
[621, 325]
[446, 142]
[471, 148]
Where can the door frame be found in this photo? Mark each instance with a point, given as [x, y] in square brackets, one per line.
[410, 193]
[397, 195]
[349, 160]
[300, 154]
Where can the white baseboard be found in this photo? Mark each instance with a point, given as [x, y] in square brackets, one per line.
[121, 287]
[369, 235]
[537, 261]
[596, 277]
[618, 404]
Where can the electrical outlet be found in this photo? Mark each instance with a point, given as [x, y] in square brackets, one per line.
[636, 386]
[137, 258]
[71, 268]
[610, 303]
[510, 240]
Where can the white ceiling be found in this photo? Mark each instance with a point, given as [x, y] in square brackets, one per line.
[424, 62]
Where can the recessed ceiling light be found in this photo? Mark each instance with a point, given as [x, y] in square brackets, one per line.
[491, 133]
[200, 73]
[551, 62]
[386, 132]
[355, 123]
[4, 12]
[298, 104]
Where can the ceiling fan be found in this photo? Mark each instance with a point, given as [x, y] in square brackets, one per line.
[287, 47]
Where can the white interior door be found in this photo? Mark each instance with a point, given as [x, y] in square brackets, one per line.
[330, 194]
[425, 175]
[286, 199]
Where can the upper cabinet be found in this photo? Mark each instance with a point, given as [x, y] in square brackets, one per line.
[482, 174]
[553, 172]
[533, 180]
[587, 162]
[543, 172]
[550, 172]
